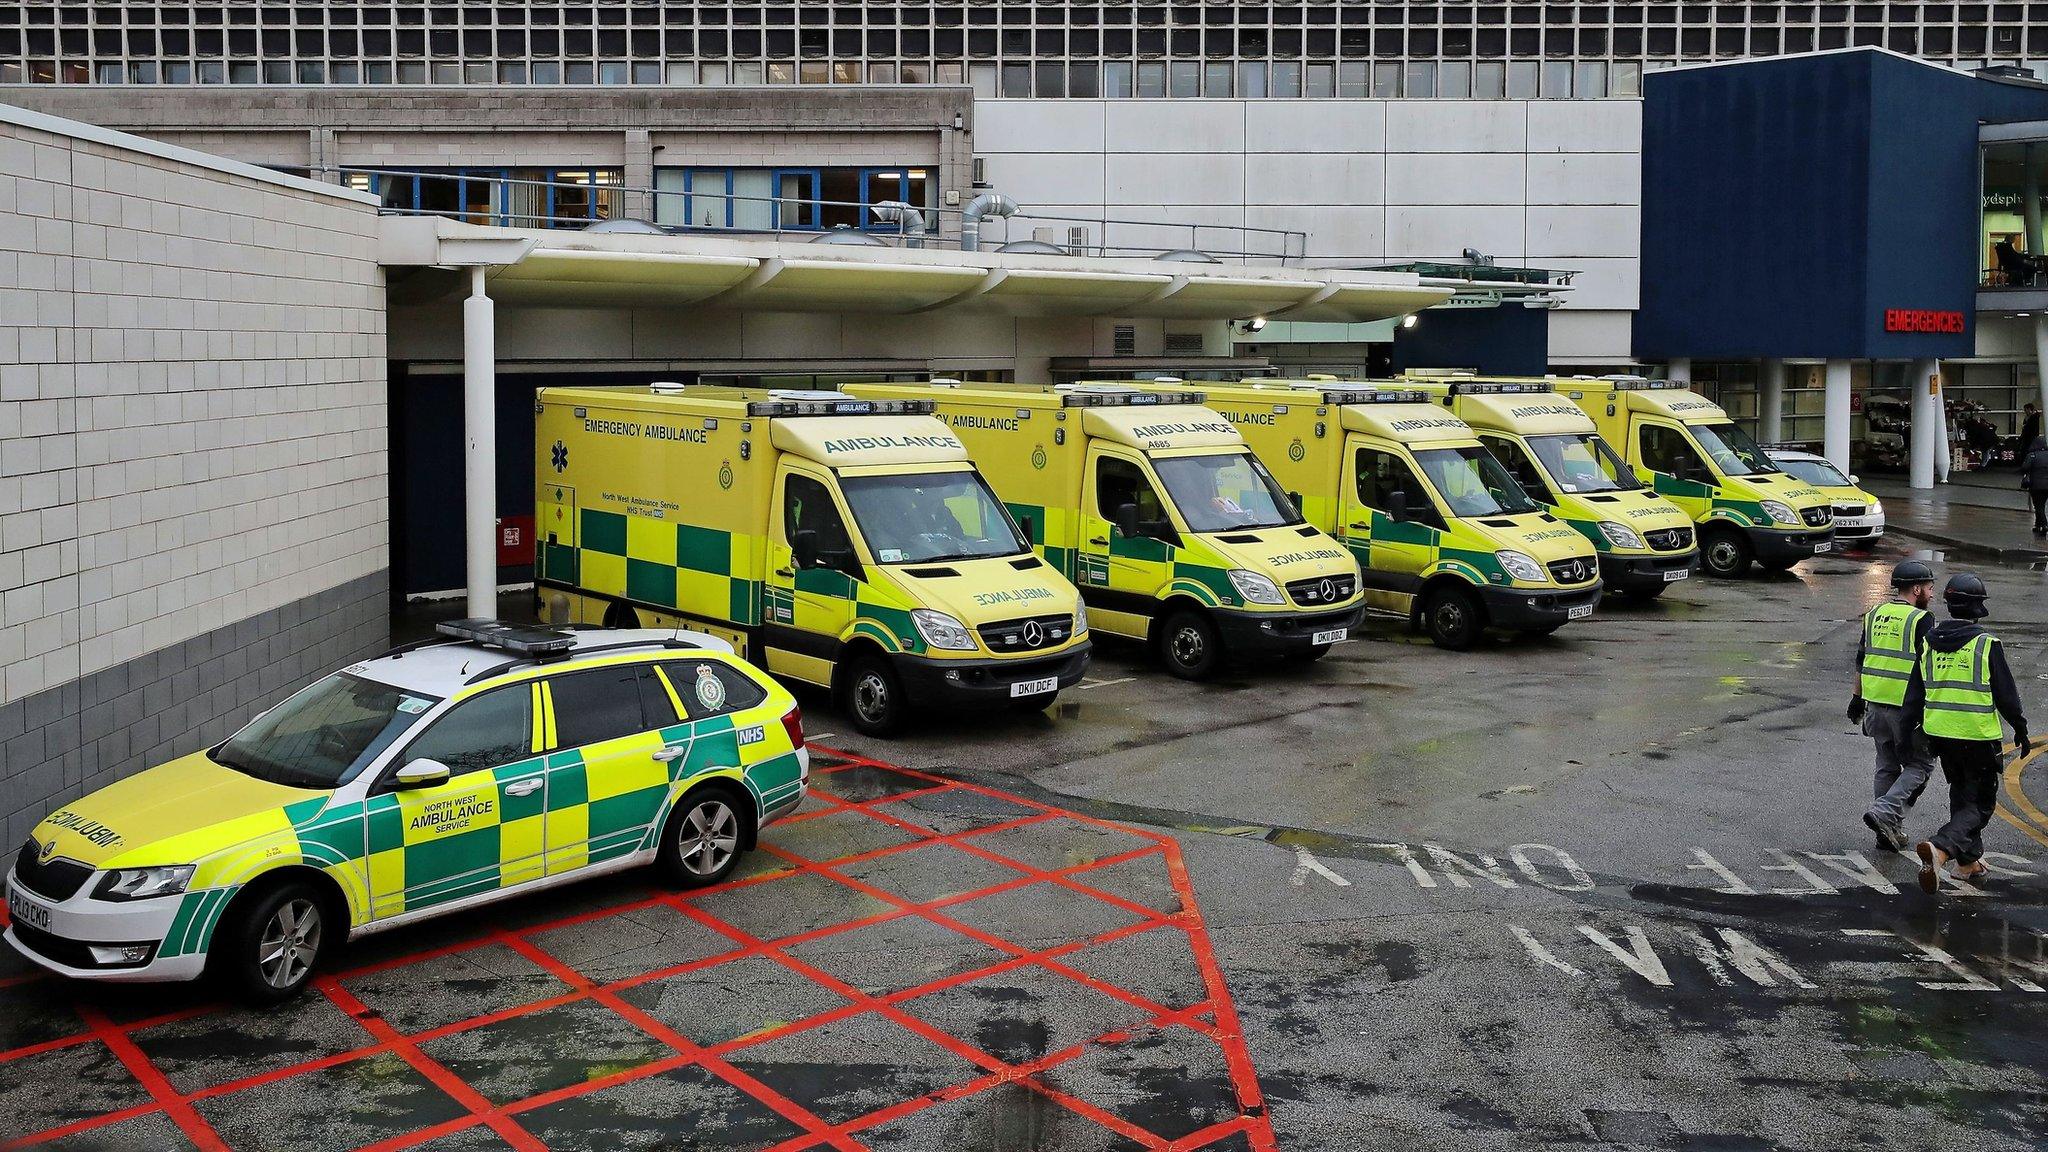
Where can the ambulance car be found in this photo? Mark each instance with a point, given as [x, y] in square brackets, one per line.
[1645, 543]
[1743, 506]
[1175, 532]
[840, 542]
[1445, 537]
[1859, 516]
[489, 761]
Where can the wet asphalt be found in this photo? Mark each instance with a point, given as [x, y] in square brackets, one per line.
[1605, 890]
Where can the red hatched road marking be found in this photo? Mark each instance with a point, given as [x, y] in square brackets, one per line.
[1213, 1017]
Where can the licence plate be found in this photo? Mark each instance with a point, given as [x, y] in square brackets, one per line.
[1823, 546]
[1329, 636]
[26, 911]
[1579, 613]
[1677, 574]
[1034, 687]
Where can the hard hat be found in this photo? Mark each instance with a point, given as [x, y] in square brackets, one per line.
[1907, 573]
[1965, 595]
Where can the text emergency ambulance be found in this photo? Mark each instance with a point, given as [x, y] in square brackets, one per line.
[1175, 532]
[489, 761]
[1444, 535]
[1549, 445]
[1744, 507]
[842, 542]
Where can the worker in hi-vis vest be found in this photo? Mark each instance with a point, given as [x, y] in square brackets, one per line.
[1888, 647]
[1959, 690]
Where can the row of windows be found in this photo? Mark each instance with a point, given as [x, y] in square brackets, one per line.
[476, 15]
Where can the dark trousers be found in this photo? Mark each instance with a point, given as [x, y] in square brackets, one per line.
[2040, 496]
[1972, 768]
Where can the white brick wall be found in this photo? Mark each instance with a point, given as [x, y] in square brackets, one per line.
[192, 409]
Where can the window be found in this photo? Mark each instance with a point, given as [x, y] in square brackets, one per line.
[735, 691]
[807, 506]
[1472, 482]
[1224, 492]
[481, 733]
[325, 734]
[930, 517]
[1381, 475]
[608, 703]
[1119, 482]
[1519, 465]
[1582, 462]
[1663, 448]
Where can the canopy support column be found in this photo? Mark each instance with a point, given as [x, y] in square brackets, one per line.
[1920, 377]
[1771, 401]
[1835, 414]
[480, 446]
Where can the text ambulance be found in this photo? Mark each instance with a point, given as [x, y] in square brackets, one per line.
[1644, 541]
[1176, 534]
[1444, 535]
[843, 542]
[1744, 506]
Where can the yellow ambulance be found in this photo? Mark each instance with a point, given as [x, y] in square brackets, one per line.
[842, 542]
[1744, 506]
[1445, 536]
[1176, 533]
[1549, 445]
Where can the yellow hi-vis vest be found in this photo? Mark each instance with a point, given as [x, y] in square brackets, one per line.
[1888, 652]
[1959, 701]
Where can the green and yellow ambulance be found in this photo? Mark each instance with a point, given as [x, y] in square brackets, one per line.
[1743, 506]
[1173, 529]
[487, 762]
[841, 542]
[1645, 543]
[1445, 537]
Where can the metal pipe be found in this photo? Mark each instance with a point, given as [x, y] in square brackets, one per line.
[480, 447]
[984, 205]
[907, 217]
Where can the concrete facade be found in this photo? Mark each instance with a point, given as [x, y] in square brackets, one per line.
[1547, 183]
[192, 436]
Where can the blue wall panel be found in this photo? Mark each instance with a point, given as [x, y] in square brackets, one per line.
[1506, 341]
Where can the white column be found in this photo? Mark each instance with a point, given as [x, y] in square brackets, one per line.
[480, 447]
[1921, 398]
[2040, 363]
[1680, 369]
[2030, 204]
[1770, 383]
[1835, 414]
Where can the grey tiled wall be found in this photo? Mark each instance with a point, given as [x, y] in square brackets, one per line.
[65, 741]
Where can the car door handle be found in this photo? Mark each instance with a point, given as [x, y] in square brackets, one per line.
[1101, 541]
[1361, 527]
[785, 572]
[671, 752]
[522, 787]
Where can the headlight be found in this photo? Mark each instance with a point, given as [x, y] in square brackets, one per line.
[1522, 566]
[1080, 615]
[1620, 535]
[1255, 589]
[144, 883]
[942, 631]
[1782, 513]
[1876, 508]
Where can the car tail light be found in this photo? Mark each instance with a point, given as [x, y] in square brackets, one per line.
[793, 723]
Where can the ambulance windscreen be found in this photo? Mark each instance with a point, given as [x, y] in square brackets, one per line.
[325, 734]
[1225, 492]
[931, 517]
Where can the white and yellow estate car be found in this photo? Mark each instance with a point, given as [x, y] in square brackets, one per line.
[488, 761]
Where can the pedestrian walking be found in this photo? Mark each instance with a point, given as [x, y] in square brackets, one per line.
[2030, 426]
[1960, 688]
[1888, 649]
[2034, 478]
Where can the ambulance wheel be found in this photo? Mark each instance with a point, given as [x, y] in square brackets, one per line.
[1724, 553]
[1452, 617]
[873, 697]
[271, 944]
[1189, 646]
[700, 844]
[621, 616]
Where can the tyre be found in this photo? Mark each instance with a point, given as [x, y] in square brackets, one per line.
[1189, 645]
[1037, 703]
[621, 616]
[700, 844]
[873, 696]
[273, 942]
[1452, 617]
[1725, 553]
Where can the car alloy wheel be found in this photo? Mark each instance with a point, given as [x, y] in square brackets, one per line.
[707, 837]
[290, 943]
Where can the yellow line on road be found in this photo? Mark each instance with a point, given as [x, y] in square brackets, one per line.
[2038, 828]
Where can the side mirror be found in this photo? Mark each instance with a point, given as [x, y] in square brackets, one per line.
[1855, 480]
[803, 547]
[1027, 526]
[1684, 467]
[1127, 520]
[1397, 506]
[1294, 498]
[421, 774]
